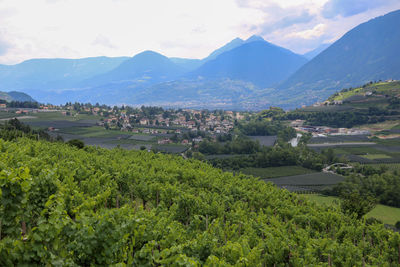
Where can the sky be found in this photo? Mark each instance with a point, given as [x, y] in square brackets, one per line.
[174, 28]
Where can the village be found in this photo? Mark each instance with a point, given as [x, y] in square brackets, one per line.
[168, 124]
[324, 131]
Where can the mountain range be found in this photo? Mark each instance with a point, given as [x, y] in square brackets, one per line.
[369, 52]
[243, 74]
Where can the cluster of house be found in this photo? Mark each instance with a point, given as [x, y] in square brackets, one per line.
[187, 120]
[328, 103]
[25, 110]
[322, 131]
[183, 142]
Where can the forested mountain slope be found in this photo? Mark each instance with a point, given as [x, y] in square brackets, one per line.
[369, 52]
[259, 62]
[49, 74]
[66, 206]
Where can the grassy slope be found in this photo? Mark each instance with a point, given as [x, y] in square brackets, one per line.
[389, 215]
[384, 88]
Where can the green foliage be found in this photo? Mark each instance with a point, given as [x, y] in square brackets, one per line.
[397, 225]
[282, 154]
[76, 143]
[13, 129]
[240, 145]
[354, 203]
[271, 112]
[381, 185]
[272, 172]
[346, 119]
[97, 207]
[264, 128]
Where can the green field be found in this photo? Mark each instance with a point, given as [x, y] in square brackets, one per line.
[273, 172]
[94, 131]
[388, 142]
[386, 214]
[361, 150]
[387, 88]
[389, 166]
[376, 156]
[5, 115]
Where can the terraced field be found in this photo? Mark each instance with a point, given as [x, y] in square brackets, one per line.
[273, 172]
[307, 183]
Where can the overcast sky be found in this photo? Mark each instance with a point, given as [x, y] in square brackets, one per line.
[175, 28]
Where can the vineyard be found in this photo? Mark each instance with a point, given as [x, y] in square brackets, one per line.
[307, 183]
[65, 206]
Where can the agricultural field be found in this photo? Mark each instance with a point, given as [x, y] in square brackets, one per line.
[387, 214]
[381, 126]
[384, 88]
[311, 182]
[340, 139]
[357, 150]
[376, 156]
[224, 156]
[360, 148]
[6, 115]
[389, 166]
[94, 131]
[83, 127]
[273, 172]
[336, 108]
[171, 149]
[267, 141]
[142, 137]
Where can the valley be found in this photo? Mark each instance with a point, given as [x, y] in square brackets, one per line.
[149, 134]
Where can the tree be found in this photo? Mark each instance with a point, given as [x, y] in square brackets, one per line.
[354, 203]
[76, 143]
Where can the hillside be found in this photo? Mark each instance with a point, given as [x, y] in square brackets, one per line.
[66, 206]
[369, 104]
[16, 96]
[146, 67]
[369, 52]
[315, 52]
[50, 74]
[227, 47]
[258, 62]
[200, 93]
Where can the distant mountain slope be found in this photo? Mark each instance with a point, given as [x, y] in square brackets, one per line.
[16, 96]
[259, 62]
[146, 67]
[368, 52]
[315, 52]
[229, 46]
[192, 64]
[44, 74]
[187, 64]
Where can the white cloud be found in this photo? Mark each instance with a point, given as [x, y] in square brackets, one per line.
[315, 32]
[184, 28]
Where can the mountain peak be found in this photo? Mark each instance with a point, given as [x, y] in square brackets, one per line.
[254, 38]
[148, 53]
[229, 46]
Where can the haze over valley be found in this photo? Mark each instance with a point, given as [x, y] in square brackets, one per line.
[243, 74]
